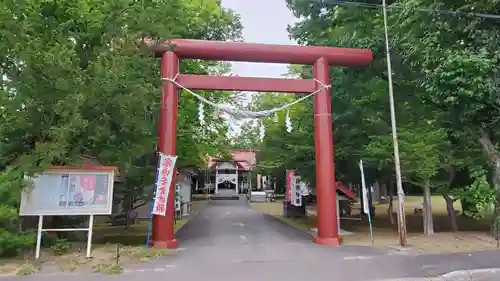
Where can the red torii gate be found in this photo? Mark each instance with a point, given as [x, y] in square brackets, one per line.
[320, 57]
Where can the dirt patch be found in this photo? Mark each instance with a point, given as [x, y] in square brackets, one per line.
[107, 259]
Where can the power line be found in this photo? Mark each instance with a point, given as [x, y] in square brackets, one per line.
[397, 6]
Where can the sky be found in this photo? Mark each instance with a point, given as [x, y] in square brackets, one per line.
[264, 21]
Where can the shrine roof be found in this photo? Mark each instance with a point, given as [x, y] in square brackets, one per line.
[346, 191]
[245, 159]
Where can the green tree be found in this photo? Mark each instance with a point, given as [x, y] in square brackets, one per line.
[433, 116]
[77, 80]
[456, 57]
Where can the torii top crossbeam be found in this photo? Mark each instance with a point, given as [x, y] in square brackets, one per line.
[267, 53]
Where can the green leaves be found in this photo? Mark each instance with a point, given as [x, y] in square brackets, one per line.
[76, 81]
[444, 72]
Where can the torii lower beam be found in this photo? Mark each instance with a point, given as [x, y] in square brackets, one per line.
[236, 83]
[320, 57]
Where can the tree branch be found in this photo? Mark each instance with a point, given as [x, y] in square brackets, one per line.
[415, 183]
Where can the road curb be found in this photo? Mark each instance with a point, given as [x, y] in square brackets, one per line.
[192, 217]
[450, 276]
[285, 222]
[472, 272]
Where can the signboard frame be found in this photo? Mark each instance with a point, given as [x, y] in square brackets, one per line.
[62, 170]
[105, 170]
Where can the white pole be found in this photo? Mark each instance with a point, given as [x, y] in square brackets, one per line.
[39, 237]
[397, 166]
[249, 182]
[216, 179]
[89, 236]
[338, 214]
[237, 182]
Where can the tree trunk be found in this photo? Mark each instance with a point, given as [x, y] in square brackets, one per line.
[127, 212]
[383, 192]
[376, 192]
[427, 211]
[494, 159]
[390, 209]
[452, 214]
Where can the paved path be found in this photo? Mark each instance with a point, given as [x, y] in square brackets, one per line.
[235, 233]
[230, 241]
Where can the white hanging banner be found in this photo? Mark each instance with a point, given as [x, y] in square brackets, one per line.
[366, 207]
[178, 201]
[295, 192]
[164, 176]
[366, 204]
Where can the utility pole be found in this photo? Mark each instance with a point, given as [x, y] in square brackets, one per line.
[397, 166]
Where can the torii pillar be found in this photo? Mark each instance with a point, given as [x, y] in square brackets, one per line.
[320, 57]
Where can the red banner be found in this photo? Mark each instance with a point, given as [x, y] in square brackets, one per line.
[289, 173]
[164, 176]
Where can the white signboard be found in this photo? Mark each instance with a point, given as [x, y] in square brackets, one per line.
[295, 192]
[366, 206]
[68, 192]
[164, 176]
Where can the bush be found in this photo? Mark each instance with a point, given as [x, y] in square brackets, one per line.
[12, 243]
[61, 247]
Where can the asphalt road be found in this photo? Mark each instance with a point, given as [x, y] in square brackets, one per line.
[230, 241]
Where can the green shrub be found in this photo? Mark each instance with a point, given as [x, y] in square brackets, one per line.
[61, 247]
[12, 242]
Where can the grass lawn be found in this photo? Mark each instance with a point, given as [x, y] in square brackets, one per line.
[199, 196]
[473, 237]
[104, 256]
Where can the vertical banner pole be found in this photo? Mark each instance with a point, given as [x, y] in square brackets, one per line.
[39, 237]
[89, 235]
[366, 205]
[371, 228]
[150, 224]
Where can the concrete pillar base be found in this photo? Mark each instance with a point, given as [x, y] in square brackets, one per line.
[333, 242]
[172, 244]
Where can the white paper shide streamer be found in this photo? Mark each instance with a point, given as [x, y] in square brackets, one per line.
[240, 114]
[262, 131]
[201, 113]
[288, 122]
